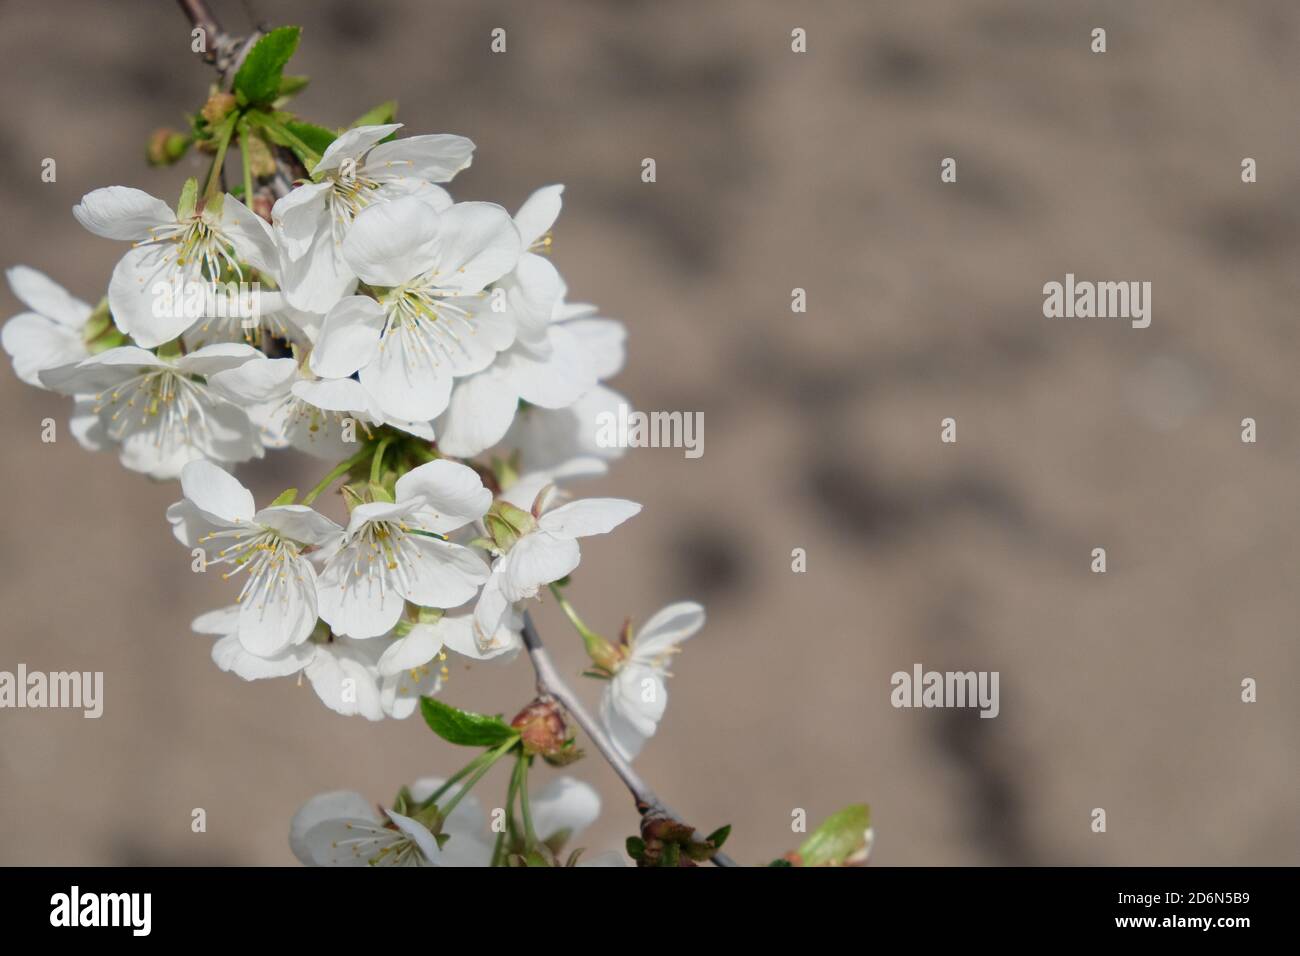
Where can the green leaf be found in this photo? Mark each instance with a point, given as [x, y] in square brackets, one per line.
[719, 836]
[291, 86]
[839, 837]
[672, 855]
[317, 137]
[286, 497]
[307, 140]
[463, 727]
[189, 199]
[635, 847]
[379, 115]
[258, 80]
[780, 863]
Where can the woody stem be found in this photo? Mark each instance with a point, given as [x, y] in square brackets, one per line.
[551, 684]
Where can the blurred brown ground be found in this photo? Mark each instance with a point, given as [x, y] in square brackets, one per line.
[775, 170]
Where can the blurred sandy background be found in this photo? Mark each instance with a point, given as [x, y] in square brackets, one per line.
[775, 170]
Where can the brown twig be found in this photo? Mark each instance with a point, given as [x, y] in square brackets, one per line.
[551, 684]
[227, 54]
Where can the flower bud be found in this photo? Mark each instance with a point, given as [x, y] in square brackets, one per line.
[166, 146]
[507, 524]
[218, 107]
[541, 728]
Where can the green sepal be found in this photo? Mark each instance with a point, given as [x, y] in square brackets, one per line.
[189, 200]
[286, 497]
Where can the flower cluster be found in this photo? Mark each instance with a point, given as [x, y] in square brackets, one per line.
[341, 303]
[426, 346]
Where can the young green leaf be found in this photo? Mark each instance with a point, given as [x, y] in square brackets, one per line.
[317, 137]
[291, 86]
[719, 836]
[842, 835]
[379, 115]
[463, 727]
[286, 497]
[258, 80]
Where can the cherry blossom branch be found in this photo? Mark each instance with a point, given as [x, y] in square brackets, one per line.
[227, 53]
[551, 685]
[219, 48]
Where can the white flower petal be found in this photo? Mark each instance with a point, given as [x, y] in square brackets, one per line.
[393, 242]
[349, 337]
[538, 213]
[257, 380]
[478, 414]
[282, 614]
[435, 158]
[537, 559]
[668, 628]
[477, 244]
[141, 295]
[300, 216]
[251, 235]
[222, 621]
[453, 493]
[417, 648]
[230, 655]
[588, 516]
[319, 809]
[418, 833]
[36, 344]
[556, 381]
[357, 597]
[447, 575]
[120, 212]
[299, 523]
[217, 492]
[46, 297]
[352, 144]
[405, 386]
[564, 804]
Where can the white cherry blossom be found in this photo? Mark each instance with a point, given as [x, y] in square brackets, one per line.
[635, 697]
[430, 323]
[407, 668]
[356, 171]
[544, 551]
[342, 829]
[171, 250]
[395, 552]
[51, 333]
[278, 597]
[160, 410]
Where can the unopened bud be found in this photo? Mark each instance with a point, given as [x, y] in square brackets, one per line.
[541, 728]
[507, 524]
[218, 107]
[166, 146]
